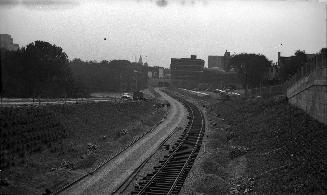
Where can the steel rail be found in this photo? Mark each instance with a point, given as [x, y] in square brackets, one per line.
[127, 182]
[166, 179]
[170, 156]
[188, 161]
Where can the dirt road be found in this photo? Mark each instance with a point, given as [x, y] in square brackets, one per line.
[107, 179]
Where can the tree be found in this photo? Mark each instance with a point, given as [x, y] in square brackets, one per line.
[116, 75]
[250, 67]
[292, 65]
[39, 69]
[10, 61]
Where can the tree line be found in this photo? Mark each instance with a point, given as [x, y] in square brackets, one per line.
[252, 69]
[116, 75]
[42, 69]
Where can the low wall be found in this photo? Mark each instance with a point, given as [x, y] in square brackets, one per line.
[310, 94]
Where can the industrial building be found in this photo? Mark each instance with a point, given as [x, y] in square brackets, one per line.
[220, 62]
[186, 68]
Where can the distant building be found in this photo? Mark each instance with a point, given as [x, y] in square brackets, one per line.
[160, 72]
[140, 60]
[282, 60]
[150, 74]
[188, 69]
[167, 73]
[6, 42]
[156, 72]
[227, 58]
[220, 62]
[153, 72]
[216, 62]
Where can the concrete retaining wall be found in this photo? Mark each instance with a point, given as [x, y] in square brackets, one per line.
[310, 94]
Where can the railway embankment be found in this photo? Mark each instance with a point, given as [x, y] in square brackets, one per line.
[262, 146]
[284, 147]
[49, 146]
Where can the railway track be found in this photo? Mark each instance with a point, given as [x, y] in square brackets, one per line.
[169, 176]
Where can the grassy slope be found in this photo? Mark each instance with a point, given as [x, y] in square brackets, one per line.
[285, 149]
[262, 146]
[94, 132]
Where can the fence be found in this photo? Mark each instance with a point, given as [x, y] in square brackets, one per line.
[313, 65]
[314, 69]
[308, 88]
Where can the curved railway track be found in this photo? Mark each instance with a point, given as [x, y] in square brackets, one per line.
[169, 176]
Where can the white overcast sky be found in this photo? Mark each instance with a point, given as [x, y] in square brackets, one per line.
[179, 29]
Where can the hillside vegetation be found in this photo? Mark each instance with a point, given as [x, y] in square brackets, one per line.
[284, 149]
[50, 146]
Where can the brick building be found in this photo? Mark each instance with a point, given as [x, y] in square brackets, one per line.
[220, 62]
[186, 68]
[186, 72]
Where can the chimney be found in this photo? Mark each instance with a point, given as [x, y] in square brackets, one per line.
[278, 58]
[193, 57]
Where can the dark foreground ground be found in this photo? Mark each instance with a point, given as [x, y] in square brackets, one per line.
[260, 146]
[47, 147]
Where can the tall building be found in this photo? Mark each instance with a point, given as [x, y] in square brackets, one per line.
[220, 62]
[227, 58]
[189, 69]
[140, 60]
[6, 42]
[156, 72]
[161, 72]
[215, 61]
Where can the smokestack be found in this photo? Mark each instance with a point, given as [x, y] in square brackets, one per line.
[193, 57]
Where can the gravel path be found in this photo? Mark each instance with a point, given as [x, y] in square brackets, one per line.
[106, 180]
